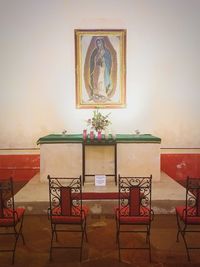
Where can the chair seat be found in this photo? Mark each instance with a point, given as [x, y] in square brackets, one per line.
[190, 219]
[143, 218]
[9, 219]
[74, 218]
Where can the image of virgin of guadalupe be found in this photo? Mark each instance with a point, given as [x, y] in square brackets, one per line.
[100, 70]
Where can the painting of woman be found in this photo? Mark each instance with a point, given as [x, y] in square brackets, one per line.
[100, 68]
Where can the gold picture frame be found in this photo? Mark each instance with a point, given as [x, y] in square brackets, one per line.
[100, 59]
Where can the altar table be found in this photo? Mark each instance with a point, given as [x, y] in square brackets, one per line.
[126, 154]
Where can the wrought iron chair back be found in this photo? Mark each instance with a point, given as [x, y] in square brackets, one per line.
[10, 217]
[192, 197]
[6, 198]
[188, 216]
[134, 196]
[65, 196]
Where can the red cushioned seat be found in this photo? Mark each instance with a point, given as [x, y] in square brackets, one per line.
[139, 219]
[11, 217]
[191, 219]
[56, 218]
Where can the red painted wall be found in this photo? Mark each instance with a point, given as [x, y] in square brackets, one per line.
[24, 167]
[179, 166]
[20, 167]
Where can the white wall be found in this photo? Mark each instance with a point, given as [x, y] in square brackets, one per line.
[37, 73]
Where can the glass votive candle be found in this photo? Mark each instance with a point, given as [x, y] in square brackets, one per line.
[99, 136]
[106, 135]
[91, 135]
[113, 136]
[84, 134]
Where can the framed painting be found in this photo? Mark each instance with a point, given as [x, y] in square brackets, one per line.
[100, 58]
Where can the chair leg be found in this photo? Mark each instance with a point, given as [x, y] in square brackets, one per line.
[20, 230]
[17, 233]
[178, 226]
[14, 248]
[147, 234]
[82, 237]
[149, 244]
[53, 232]
[50, 251]
[148, 240]
[183, 233]
[149, 252]
[119, 252]
[118, 237]
[117, 230]
[56, 233]
[118, 242]
[85, 232]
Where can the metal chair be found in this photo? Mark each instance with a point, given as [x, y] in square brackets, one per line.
[188, 216]
[134, 214]
[11, 218]
[66, 212]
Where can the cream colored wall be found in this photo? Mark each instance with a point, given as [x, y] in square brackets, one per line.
[37, 84]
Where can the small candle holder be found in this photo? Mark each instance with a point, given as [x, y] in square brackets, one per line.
[137, 132]
[113, 136]
[106, 135]
[64, 132]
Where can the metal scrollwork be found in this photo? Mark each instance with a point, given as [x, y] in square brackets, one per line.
[74, 185]
[144, 185]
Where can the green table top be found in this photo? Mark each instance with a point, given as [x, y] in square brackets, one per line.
[78, 138]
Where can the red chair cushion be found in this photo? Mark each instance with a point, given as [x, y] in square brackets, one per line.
[125, 218]
[189, 219]
[10, 219]
[56, 218]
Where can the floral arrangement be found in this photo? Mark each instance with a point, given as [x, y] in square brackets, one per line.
[99, 122]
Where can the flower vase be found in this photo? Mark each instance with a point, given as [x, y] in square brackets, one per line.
[84, 134]
[99, 136]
